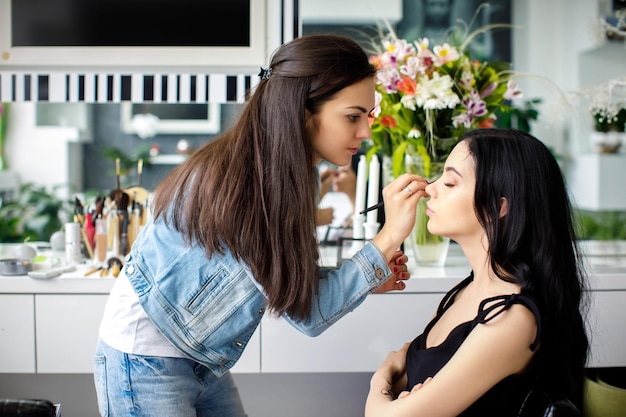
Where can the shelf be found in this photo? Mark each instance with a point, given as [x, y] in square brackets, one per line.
[596, 181]
[168, 159]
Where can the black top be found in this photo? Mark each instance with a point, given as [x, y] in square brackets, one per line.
[505, 398]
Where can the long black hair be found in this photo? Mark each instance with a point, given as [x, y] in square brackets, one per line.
[534, 245]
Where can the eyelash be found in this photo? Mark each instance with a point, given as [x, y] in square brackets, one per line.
[354, 118]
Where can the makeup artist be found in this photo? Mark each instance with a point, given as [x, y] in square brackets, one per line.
[233, 237]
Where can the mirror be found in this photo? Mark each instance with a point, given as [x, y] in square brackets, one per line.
[88, 137]
[172, 118]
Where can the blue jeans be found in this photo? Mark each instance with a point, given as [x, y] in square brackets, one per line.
[142, 386]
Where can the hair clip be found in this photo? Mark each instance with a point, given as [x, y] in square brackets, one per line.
[265, 73]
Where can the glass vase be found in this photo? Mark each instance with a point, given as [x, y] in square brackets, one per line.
[387, 170]
[428, 249]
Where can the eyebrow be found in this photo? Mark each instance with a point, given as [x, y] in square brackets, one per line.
[453, 169]
[361, 109]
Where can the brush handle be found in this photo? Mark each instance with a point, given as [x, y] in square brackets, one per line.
[117, 171]
[139, 171]
[374, 207]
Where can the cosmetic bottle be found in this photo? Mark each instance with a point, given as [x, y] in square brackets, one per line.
[73, 244]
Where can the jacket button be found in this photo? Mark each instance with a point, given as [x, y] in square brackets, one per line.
[130, 269]
[379, 273]
[238, 343]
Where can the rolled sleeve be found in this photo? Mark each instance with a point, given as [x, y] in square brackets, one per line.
[342, 289]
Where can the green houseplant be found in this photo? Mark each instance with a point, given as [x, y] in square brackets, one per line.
[34, 215]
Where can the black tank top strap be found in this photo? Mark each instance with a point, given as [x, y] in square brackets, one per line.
[493, 306]
[448, 299]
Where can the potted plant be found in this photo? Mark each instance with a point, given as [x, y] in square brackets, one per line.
[34, 215]
[609, 128]
[608, 112]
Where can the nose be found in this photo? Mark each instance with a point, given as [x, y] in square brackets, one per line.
[364, 132]
[430, 188]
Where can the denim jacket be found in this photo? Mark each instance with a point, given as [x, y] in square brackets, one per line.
[209, 308]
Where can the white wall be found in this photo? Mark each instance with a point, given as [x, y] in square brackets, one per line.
[551, 36]
[42, 155]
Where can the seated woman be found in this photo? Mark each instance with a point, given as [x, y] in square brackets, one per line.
[516, 322]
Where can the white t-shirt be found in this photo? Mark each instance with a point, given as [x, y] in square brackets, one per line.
[126, 327]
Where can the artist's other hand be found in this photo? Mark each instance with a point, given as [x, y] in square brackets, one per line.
[399, 272]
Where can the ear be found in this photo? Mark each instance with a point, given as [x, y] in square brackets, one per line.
[504, 207]
[310, 122]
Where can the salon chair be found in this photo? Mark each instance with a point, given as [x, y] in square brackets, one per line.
[12, 407]
[539, 403]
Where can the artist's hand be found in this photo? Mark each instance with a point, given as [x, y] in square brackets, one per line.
[401, 198]
[400, 273]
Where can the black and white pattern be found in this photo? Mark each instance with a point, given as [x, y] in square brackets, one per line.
[31, 85]
[60, 87]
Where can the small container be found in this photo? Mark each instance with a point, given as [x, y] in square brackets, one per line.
[15, 266]
[73, 244]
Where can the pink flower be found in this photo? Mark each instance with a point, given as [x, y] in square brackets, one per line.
[426, 97]
[512, 90]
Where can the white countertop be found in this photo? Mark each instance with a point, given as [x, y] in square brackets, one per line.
[606, 272]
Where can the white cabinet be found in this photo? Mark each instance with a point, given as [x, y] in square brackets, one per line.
[607, 329]
[356, 343]
[17, 333]
[67, 331]
[51, 326]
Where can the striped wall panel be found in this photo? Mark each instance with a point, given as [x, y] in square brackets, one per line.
[102, 87]
[60, 87]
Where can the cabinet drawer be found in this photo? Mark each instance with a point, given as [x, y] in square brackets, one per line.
[67, 332]
[356, 343]
[17, 333]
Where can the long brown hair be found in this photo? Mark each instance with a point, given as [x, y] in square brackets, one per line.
[254, 189]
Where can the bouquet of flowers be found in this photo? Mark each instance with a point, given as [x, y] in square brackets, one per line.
[426, 98]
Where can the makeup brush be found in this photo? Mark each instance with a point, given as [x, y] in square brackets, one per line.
[377, 205]
[374, 207]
